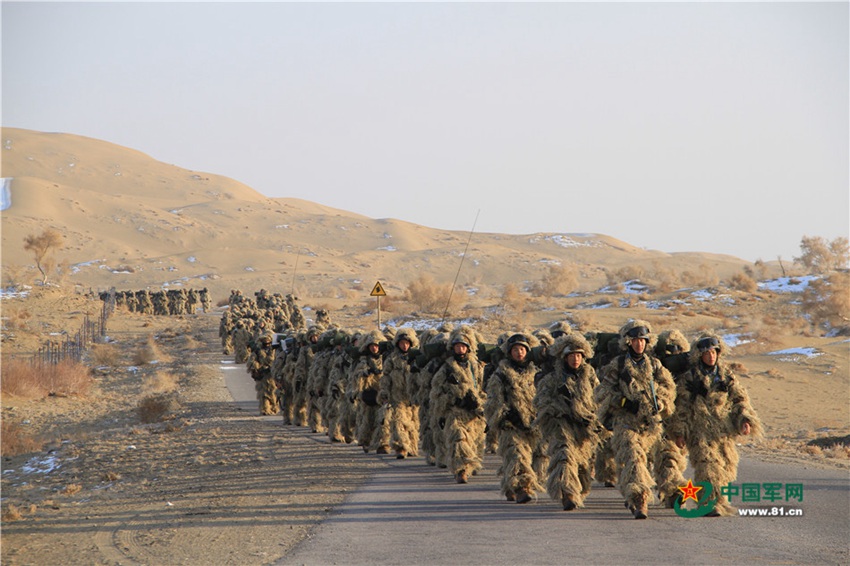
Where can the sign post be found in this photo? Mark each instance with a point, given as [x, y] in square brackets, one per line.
[378, 292]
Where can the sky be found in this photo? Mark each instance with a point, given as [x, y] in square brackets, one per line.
[714, 127]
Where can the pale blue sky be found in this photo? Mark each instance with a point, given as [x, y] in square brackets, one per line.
[719, 127]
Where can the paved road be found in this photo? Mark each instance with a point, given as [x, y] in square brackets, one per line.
[410, 513]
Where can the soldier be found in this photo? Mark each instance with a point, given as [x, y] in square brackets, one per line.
[566, 415]
[365, 380]
[241, 339]
[317, 380]
[302, 369]
[192, 301]
[712, 409]
[510, 412]
[260, 367]
[457, 404]
[671, 460]
[335, 397]
[420, 390]
[206, 302]
[399, 428]
[635, 393]
[145, 305]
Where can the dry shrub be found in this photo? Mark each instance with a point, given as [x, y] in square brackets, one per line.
[704, 276]
[583, 321]
[157, 407]
[820, 256]
[827, 301]
[837, 451]
[743, 282]
[110, 476]
[12, 513]
[812, 450]
[559, 280]
[513, 300]
[775, 373]
[104, 355]
[161, 382]
[190, 343]
[148, 352]
[739, 368]
[427, 295]
[625, 273]
[72, 488]
[15, 440]
[17, 318]
[26, 380]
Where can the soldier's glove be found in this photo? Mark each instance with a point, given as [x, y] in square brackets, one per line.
[468, 403]
[696, 387]
[370, 397]
[564, 391]
[450, 378]
[723, 385]
[630, 406]
[441, 423]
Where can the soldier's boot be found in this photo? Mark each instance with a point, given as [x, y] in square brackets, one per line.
[382, 450]
[523, 496]
[641, 506]
[462, 477]
[610, 484]
[510, 496]
[568, 503]
[401, 454]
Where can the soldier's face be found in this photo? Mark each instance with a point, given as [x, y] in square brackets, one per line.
[574, 359]
[709, 357]
[373, 348]
[518, 352]
[404, 345]
[638, 345]
[460, 349]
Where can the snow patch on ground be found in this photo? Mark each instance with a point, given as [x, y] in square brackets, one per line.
[733, 340]
[388, 249]
[788, 284]
[567, 241]
[804, 352]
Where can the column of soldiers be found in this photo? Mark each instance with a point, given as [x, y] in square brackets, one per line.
[560, 409]
[162, 302]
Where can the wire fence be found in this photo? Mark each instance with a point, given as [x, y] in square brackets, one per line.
[72, 348]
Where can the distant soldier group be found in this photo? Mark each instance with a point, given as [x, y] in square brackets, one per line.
[161, 302]
[533, 398]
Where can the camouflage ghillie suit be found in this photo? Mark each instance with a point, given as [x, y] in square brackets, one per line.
[286, 378]
[323, 319]
[241, 338]
[160, 303]
[317, 381]
[365, 380]
[302, 369]
[510, 411]
[399, 428]
[712, 410]
[296, 317]
[566, 415]
[457, 405]
[670, 460]
[420, 393]
[206, 301]
[635, 394]
[192, 301]
[336, 398]
[260, 366]
[225, 331]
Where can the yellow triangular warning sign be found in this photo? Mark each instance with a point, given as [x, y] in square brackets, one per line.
[378, 291]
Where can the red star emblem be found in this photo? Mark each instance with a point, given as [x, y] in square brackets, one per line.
[690, 491]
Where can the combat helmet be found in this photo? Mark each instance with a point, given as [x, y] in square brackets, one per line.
[707, 341]
[637, 328]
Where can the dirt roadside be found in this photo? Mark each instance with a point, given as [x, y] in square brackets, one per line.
[216, 484]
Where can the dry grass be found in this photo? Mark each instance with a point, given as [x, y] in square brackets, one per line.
[104, 355]
[15, 439]
[148, 352]
[743, 282]
[161, 382]
[16, 318]
[72, 488]
[23, 379]
[11, 513]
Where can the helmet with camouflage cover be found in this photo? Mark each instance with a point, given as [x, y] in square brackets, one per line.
[569, 344]
[463, 334]
[707, 341]
[519, 338]
[543, 336]
[406, 333]
[637, 328]
[558, 329]
[373, 337]
[670, 343]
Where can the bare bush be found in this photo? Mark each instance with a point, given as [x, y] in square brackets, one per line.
[559, 280]
[20, 379]
[426, 294]
[820, 256]
[41, 246]
[147, 352]
[513, 300]
[827, 301]
[15, 439]
[161, 382]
